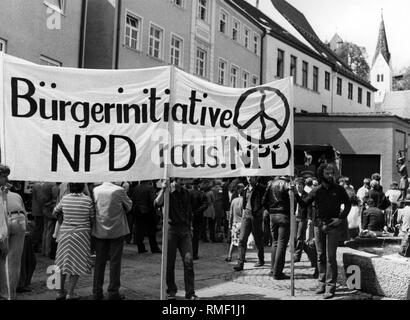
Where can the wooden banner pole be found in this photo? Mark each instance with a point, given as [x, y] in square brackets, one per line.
[165, 219]
[292, 240]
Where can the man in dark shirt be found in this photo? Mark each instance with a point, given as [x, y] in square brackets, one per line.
[328, 198]
[143, 196]
[252, 221]
[373, 218]
[179, 237]
[199, 204]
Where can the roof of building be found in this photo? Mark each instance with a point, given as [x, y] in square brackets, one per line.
[382, 45]
[380, 114]
[398, 103]
[273, 28]
[301, 24]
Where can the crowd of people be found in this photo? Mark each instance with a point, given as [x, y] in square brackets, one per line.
[81, 226]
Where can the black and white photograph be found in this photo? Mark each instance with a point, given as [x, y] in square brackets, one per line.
[216, 150]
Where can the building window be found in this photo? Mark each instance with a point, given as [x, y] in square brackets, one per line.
[46, 61]
[200, 63]
[339, 86]
[203, 10]
[369, 99]
[236, 29]
[280, 63]
[382, 78]
[222, 71]
[245, 79]
[293, 68]
[133, 32]
[234, 76]
[256, 43]
[179, 3]
[255, 81]
[3, 44]
[223, 21]
[56, 5]
[156, 36]
[350, 91]
[327, 80]
[378, 78]
[359, 95]
[324, 109]
[177, 49]
[315, 79]
[305, 66]
[246, 37]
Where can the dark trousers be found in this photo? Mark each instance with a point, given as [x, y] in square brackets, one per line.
[131, 224]
[180, 238]
[267, 234]
[196, 233]
[37, 235]
[209, 224]
[108, 250]
[301, 226]
[251, 223]
[280, 228]
[145, 225]
[326, 247]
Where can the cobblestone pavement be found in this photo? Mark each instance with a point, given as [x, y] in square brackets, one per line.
[214, 278]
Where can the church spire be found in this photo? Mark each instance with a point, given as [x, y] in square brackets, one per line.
[382, 46]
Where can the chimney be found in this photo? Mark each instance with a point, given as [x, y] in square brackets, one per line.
[257, 4]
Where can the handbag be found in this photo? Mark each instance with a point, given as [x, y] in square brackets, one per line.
[405, 245]
[251, 242]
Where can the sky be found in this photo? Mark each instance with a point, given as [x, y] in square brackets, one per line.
[358, 21]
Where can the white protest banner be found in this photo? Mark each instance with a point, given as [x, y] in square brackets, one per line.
[79, 125]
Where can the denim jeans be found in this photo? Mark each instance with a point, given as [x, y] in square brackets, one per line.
[301, 225]
[326, 247]
[11, 265]
[251, 223]
[180, 238]
[267, 234]
[280, 228]
[108, 250]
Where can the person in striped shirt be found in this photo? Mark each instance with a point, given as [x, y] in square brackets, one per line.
[73, 258]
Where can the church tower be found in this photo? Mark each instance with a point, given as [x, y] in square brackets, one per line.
[381, 71]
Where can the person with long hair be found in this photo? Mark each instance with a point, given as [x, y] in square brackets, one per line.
[73, 258]
[328, 198]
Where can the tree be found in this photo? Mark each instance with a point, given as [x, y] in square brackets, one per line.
[402, 82]
[355, 57]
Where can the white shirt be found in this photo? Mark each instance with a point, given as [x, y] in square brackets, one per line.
[403, 217]
[362, 193]
[393, 195]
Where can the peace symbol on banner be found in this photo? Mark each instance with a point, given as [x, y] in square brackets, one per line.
[269, 122]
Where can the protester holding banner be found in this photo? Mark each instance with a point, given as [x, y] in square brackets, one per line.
[179, 238]
[328, 198]
[11, 249]
[252, 221]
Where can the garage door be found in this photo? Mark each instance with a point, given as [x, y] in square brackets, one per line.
[358, 167]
